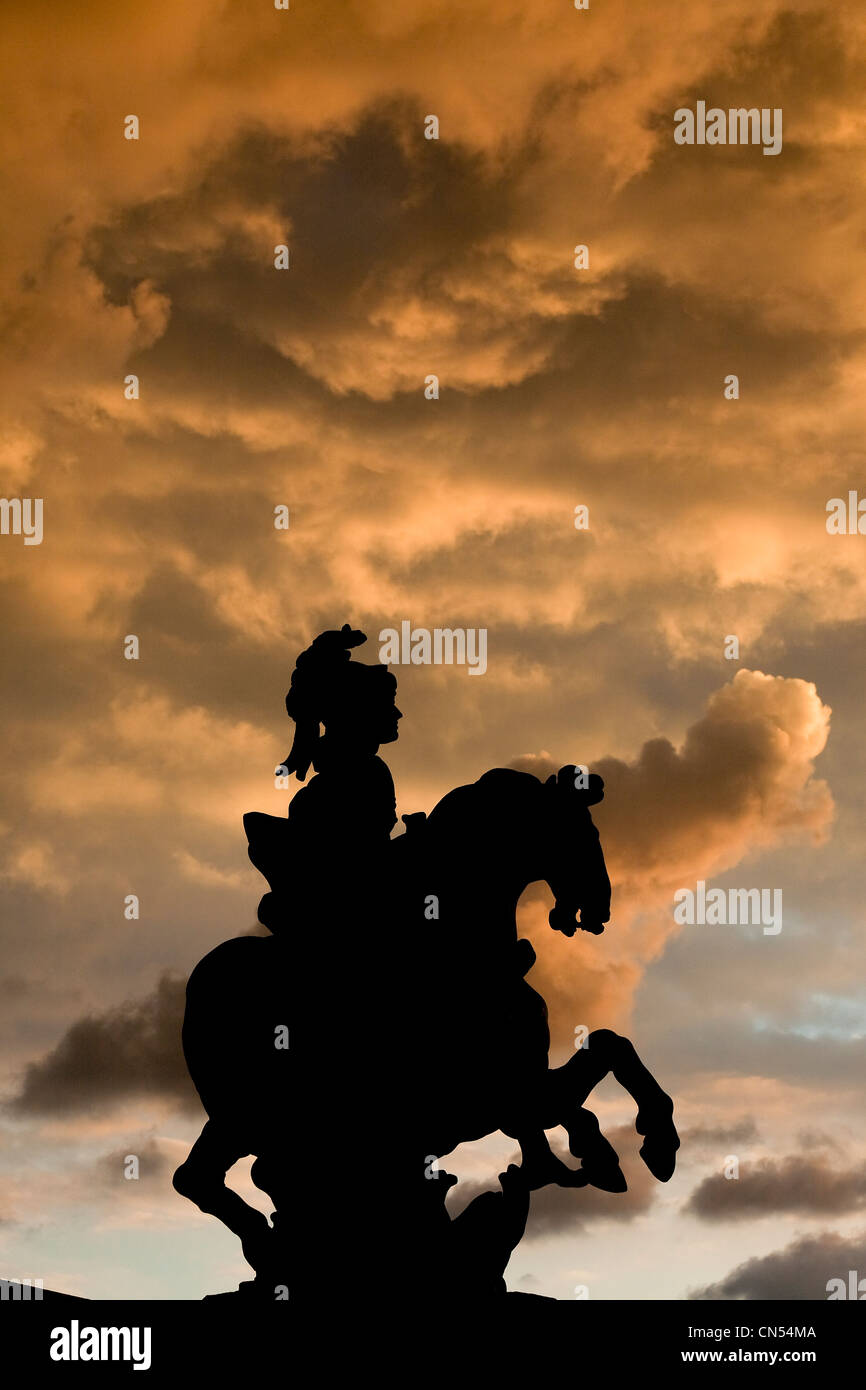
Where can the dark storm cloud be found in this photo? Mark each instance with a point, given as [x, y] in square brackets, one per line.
[103, 1059]
[369, 214]
[801, 1271]
[153, 1166]
[791, 1184]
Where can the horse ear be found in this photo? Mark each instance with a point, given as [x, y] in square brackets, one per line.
[551, 781]
[591, 794]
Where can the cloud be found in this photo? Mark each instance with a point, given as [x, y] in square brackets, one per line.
[741, 781]
[208, 875]
[154, 1165]
[791, 1184]
[102, 1059]
[705, 1136]
[801, 1271]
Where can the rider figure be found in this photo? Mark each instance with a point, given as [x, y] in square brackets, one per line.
[339, 823]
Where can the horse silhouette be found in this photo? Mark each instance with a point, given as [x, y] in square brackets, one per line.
[423, 932]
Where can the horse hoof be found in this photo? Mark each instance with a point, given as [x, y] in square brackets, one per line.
[660, 1158]
[608, 1177]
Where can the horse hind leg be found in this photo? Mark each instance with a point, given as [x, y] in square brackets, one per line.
[201, 1179]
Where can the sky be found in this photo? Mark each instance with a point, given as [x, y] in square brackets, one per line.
[560, 387]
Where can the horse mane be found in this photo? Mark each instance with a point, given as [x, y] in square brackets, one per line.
[495, 793]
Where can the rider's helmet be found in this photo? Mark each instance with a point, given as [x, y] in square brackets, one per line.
[353, 701]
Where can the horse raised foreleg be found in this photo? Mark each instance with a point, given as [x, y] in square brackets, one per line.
[605, 1052]
[201, 1178]
[532, 1104]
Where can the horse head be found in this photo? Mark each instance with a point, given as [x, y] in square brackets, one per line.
[531, 831]
[574, 867]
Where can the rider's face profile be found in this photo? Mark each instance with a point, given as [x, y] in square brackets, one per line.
[377, 711]
[391, 717]
[369, 720]
[381, 718]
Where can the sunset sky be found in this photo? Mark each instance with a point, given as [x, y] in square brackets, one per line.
[558, 387]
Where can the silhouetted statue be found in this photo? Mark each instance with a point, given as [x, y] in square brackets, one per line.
[396, 965]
